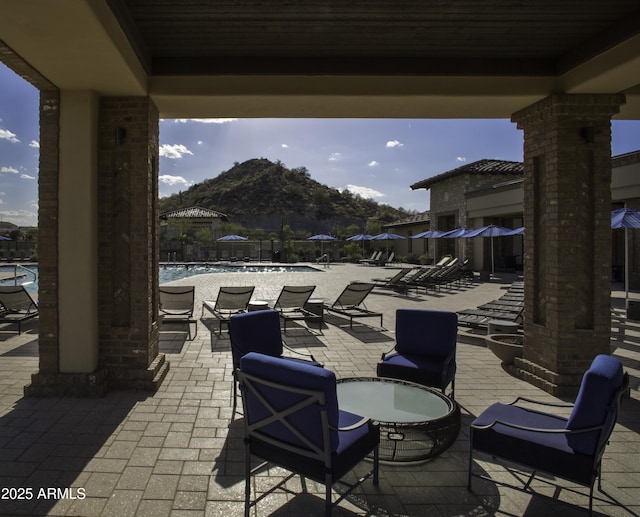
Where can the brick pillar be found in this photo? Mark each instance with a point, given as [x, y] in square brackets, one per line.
[567, 266]
[128, 242]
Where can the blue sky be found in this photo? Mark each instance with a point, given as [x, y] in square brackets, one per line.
[376, 158]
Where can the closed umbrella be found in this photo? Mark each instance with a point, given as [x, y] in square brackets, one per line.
[627, 218]
[490, 231]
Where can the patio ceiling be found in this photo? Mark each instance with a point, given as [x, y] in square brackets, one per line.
[423, 58]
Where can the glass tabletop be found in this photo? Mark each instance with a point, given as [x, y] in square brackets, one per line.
[388, 400]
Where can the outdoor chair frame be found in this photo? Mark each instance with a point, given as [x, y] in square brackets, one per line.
[230, 301]
[292, 420]
[425, 349]
[16, 305]
[259, 331]
[350, 303]
[291, 305]
[176, 305]
[545, 442]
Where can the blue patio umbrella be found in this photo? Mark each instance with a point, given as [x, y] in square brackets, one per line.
[387, 236]
[232, 238]
[429, 234]
[517, 231]
[490, 231]
[627, 218]
[322, 237]
[360, 237]
[456, 233]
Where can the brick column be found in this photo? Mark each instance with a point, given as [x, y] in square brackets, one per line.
[567, 255]
[128, 242]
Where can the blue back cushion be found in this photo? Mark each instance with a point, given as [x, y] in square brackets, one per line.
[426, 332]
[298, 375]
[599, 385]
[257, 331]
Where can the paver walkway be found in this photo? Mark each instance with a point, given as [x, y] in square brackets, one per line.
[177, 452]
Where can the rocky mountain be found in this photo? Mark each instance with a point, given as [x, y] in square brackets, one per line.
[261, 194]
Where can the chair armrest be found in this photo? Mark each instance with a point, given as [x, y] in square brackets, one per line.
[536, 429]
[310, 356]
[539, 402]
[356, 425]
[385, 354]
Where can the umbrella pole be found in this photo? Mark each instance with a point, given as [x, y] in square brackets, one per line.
[493, 267]
[626, 269]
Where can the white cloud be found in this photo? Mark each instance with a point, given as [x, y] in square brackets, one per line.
[35, 144]
[174, 151]
[173, 180]
[27, 177]
[284, 146]
[5, 134]
[461, 159]
[205, 120]
[334, 157]
[373, 163]
[394, 143]
[200, 142]
[9, 169]
[20, 217]
[364, 192]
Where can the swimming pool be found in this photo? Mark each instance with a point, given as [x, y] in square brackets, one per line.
[28, 274]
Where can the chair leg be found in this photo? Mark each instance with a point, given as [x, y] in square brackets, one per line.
[376, 464]
[328, 505]
[247, 478]
[470, 461]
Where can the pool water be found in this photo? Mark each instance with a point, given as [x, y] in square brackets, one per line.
[28, 274]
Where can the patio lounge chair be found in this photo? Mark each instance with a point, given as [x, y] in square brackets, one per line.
[291, 304]
[391, 281]
[292, 420]
[16, 305]
[230, 301]
[425, 350]
[350, 303]
[569, 448]
[176, 305]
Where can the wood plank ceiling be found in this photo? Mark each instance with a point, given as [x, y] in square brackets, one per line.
[422, 37]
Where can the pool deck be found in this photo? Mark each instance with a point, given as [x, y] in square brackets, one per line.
[178, 452]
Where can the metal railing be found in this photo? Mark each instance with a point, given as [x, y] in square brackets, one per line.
[30, 271]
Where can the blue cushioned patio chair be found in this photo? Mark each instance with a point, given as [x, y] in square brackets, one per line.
[292, 420]
[425, 350]
[258, 331]
[569, 448]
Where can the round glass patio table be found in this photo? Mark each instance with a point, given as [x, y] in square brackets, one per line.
[416, 422]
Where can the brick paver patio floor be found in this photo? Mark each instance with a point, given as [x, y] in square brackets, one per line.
[178, 452]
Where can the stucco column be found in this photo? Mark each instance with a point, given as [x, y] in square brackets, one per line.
[567, 256]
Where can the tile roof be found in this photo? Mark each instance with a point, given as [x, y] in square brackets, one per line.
[193, 212]
[423, 217]
[479, 167]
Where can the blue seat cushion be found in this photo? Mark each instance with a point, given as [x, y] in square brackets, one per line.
[352, 447]
[296, 374]
[419, 369]
[599, 385]
[545, 451]
[426, 332]
[257, 331]
[347, 448]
